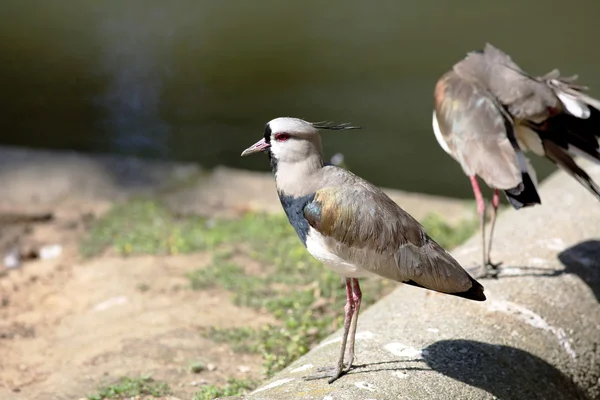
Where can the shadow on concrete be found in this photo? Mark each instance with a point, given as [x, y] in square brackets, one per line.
[505, 372]
[583, 260]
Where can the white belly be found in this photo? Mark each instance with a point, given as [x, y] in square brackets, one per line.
[438, 135]
[317, 246]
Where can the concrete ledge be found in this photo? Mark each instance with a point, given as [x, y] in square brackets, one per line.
[536, 337]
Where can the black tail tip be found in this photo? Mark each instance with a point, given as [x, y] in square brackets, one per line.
[474, 293]
[524, 195]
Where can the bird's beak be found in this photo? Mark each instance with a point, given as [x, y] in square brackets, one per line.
[261, 145]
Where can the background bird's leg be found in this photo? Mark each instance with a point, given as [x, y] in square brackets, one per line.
[495, 204]
[357, 297]
[481, 212]
[339, 368]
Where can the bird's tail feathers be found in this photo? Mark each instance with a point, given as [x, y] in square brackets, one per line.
[526, 193]
[564, 160]
[571, 94]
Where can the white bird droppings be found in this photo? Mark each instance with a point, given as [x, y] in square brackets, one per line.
[537, 262]
[328, 398]
[400, 374]
[50, 251]
[516, 271]
[274, 384]
[302, 368]
[556, 244]
[115, 301]
[533, 319]
[401, 350]
[359, 336]
[365, 386]
[433, 330]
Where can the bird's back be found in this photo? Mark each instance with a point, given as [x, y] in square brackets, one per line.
[524, 96]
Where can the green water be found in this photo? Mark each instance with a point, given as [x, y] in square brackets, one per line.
[197, 80]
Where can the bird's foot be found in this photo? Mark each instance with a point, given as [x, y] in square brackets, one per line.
[331, 372]
[492, 265]
[487, 270]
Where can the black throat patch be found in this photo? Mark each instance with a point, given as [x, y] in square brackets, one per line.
[294, 209]
[272, 158]
[268, 133]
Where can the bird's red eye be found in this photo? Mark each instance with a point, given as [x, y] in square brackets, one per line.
[282, 137]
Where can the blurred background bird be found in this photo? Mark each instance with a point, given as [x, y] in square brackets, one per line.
[488, 112]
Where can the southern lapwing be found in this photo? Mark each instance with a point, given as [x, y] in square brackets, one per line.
[488, 111]
[352, 226]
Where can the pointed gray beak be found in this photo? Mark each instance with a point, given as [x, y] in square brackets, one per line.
[261, 145]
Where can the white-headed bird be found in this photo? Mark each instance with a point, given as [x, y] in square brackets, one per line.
[352, 226]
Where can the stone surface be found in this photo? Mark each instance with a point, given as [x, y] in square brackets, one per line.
[536, 337]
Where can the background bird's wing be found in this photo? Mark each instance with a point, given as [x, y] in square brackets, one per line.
[478, 131]
[572, 95]
[365, 227]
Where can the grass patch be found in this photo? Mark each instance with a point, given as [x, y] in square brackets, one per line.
[131, 387]
[234, 387]
[197, 367]
[147, 227]
[305, 297]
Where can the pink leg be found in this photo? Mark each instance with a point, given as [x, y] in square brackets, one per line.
[357, 298]
[478, 195]
[481, 212]
[495, 204]
[496, 198]
[348, 314]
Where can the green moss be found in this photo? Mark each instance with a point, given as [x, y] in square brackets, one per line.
[196, 367]
[131, 387]
[147, 227]
[234, 387]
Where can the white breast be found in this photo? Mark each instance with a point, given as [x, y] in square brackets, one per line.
[319, 247]
[438, 135]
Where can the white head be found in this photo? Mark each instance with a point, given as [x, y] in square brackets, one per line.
[292, 140]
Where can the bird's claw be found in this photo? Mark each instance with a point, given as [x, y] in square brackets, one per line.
[489, 270]
[492, 265]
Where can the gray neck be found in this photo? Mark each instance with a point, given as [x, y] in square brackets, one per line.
[299, 178]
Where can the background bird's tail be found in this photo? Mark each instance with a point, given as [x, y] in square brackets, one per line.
[564, 160]
[526, 194]
[573, 133]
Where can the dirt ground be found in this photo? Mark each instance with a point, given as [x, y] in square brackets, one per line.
[68, 325]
